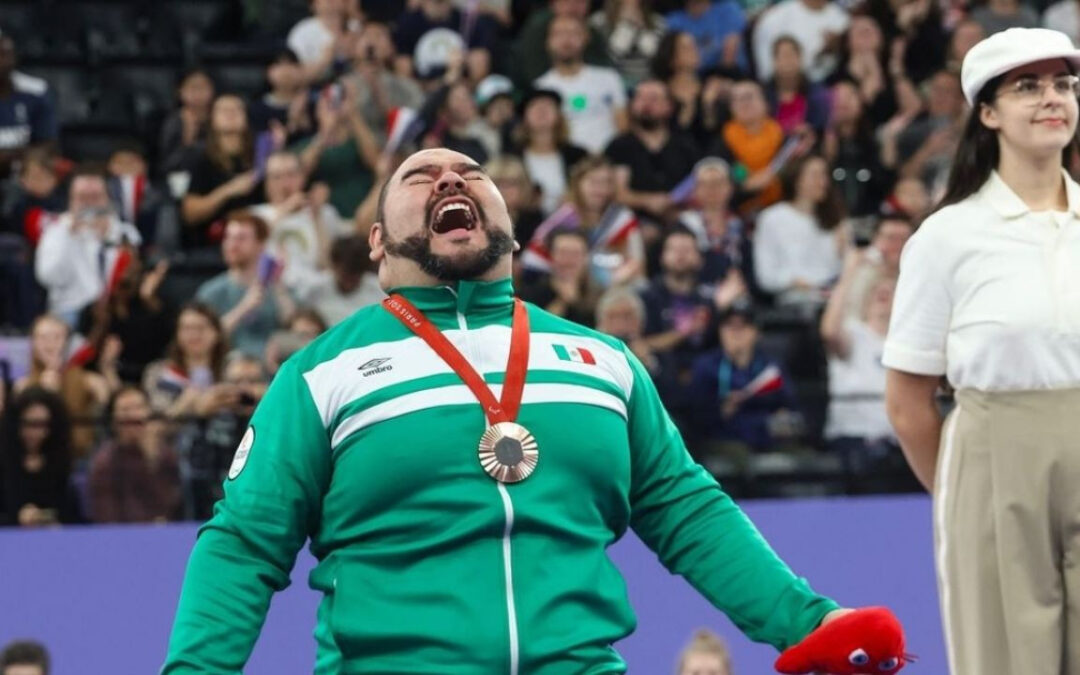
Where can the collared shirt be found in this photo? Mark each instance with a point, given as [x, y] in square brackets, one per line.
[989, 294]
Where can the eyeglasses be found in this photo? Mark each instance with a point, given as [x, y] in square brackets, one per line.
[1031, 90]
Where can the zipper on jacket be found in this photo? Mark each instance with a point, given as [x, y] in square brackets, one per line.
[508, 530]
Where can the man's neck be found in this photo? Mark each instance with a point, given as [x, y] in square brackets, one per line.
[1036, 181]
[244, 275]
[654, 139]
[680, 283]
[284, 96]
[198, 361]
[7, 85]
[569, 68]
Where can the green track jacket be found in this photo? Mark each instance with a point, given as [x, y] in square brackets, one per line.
[366, 443]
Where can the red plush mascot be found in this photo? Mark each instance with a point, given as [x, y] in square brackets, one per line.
[868, 641]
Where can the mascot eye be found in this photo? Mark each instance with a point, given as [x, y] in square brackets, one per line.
[889, 664]
[858, 658]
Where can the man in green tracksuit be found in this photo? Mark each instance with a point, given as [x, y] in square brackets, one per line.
[455, 536]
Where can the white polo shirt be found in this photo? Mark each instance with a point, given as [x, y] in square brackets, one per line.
[989, 294]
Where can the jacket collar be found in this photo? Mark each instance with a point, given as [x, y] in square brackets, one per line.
[465, 297]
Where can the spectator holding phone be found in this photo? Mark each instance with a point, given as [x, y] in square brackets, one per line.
[76, 254]
[249, 296]
[223, 177]
[184, 132]
[378, 88]
[287, 101]
[344, 152]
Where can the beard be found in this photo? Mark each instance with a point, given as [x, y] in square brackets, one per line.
[648, 122]
[460, 267]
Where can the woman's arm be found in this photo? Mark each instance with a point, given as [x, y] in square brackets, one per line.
[836, 339]
[200, 208]
[909, 400]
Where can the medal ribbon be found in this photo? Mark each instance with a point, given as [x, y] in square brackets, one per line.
[495, 410]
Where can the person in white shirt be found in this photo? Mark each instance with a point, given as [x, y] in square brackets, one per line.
[352, 283]
[321, 38]
[594, 97]
[857, 427]
[797, 242]
[989, 296]
[77, 253]
[815, 25]
[302, 224]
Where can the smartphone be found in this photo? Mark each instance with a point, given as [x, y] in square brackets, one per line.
[268, 268]
[335, 94]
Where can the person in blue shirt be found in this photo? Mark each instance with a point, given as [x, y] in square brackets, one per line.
[717, 28]
[27, 113]
[738, 389]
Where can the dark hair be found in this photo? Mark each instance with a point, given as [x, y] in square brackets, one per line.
[576, 233]
[830, 210]
[110, 405]
[25, 653]
[230, 163]
[351, 252]
[244, 217]
[978, 153]
[786, 38]
[57, 445]
[380, 206]
[195, 71]
[217, 355]
[309, 314]
[677, 230]
[284, 55]
[661, 65]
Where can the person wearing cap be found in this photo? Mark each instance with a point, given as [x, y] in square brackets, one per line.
[495, 98]
[987, 296]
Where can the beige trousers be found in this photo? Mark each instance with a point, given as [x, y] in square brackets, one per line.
[1007, 533]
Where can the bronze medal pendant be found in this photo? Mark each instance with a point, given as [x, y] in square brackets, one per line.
[508, 452]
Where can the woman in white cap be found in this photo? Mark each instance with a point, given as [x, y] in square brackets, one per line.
[989, 295]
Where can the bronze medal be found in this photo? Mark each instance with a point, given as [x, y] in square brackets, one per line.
[508, 452]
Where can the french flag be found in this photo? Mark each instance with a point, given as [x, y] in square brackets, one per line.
[768, 380]
[132, 189]
[402, 126]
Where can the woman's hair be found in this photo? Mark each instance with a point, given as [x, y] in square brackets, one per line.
[217, 154]
[508, 167]
[57, 445]
[522, 136]
[978, 153]
[195, 71]
[830, 210]
[663, 66]
[611, 13]
[786, 39]
[217, 354]
[864, 128]
[577, 175]
[110, 405]
[36, 366]
[705, 641]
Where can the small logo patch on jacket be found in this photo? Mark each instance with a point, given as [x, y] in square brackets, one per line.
[374, 367]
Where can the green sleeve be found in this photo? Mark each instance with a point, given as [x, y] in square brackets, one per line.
[699, 533]
[246, 551]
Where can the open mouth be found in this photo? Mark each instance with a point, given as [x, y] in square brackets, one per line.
[453, 213]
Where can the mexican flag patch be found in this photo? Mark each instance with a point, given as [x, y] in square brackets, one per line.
[575, 354]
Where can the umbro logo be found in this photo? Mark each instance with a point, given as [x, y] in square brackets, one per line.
[374, 367]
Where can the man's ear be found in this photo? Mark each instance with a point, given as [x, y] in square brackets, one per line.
[375, 241]
[517, 246]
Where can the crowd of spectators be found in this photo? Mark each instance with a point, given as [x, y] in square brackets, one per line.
[726, 185]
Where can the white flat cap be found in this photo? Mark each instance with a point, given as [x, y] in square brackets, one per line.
[1001, 52]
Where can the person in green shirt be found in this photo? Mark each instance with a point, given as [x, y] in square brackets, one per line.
[452, 536]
